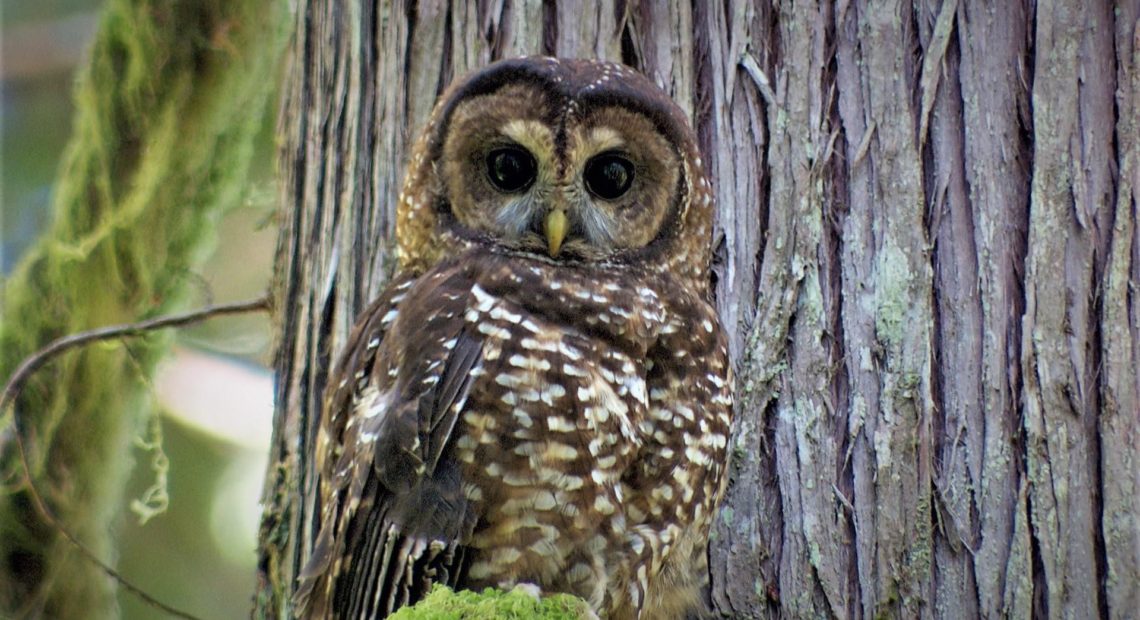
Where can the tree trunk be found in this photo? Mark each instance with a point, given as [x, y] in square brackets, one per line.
[927, 260]
[166, 112]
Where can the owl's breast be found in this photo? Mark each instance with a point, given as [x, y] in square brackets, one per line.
[552, 421]
[550, 405]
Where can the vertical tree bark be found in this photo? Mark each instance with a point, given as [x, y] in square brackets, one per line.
[927, 261]
[167, 109]
[1118, 431]
[985, 496]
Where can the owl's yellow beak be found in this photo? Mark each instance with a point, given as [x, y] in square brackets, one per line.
[555, 226]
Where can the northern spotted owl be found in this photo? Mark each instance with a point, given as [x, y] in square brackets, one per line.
[541, 395]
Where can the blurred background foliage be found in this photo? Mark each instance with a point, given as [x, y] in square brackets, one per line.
[214, 390]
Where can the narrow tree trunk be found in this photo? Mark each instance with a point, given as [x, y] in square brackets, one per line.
[166, 112]
[927, 258]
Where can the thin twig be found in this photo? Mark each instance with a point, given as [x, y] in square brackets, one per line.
[34, 362]
[59, 345]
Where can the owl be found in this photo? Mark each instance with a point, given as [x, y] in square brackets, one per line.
[541, 396]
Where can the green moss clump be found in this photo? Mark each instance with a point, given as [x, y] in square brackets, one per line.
[491, 604]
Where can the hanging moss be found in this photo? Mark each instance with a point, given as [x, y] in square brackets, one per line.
[166, 112]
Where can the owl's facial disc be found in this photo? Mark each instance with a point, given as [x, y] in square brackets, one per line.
[516, 173]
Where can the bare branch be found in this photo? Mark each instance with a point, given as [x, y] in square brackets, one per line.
[37, 360]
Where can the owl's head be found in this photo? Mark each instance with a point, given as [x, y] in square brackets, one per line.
[566, 161]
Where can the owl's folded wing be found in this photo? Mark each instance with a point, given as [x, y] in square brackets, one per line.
[394, 516]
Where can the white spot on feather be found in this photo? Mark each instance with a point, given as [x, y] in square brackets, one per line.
[484, 301]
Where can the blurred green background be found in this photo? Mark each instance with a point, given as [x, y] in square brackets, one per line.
[214, 393]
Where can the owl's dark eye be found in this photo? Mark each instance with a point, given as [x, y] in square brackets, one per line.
[608, 176]
[511, 169]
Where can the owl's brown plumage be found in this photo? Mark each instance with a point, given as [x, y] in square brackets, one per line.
[542, 394]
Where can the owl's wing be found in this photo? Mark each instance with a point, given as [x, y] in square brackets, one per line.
[395, 515]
